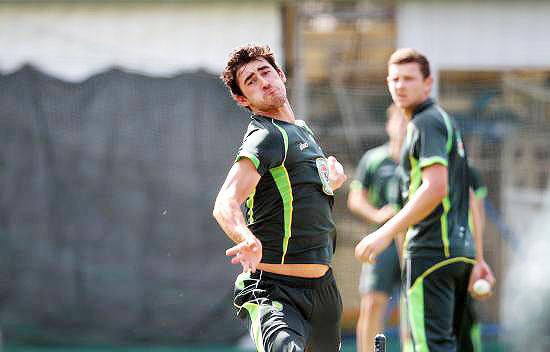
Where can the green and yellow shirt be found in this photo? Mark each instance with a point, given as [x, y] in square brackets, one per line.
[433, 138]
[376, 173]
[290, 210]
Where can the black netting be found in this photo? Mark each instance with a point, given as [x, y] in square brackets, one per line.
[106, 194]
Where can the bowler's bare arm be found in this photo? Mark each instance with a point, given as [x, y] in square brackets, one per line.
[240, 182]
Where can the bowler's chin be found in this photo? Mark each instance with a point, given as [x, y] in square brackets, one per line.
[277, 100]
[402, 104]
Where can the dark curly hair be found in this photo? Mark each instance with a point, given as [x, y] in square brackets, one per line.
[241, 56]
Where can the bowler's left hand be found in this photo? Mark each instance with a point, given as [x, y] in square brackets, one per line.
[371, 246]
[336, 174]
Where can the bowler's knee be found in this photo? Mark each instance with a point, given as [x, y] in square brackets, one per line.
[286, 341]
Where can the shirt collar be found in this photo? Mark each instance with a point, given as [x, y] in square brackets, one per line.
[423, 106]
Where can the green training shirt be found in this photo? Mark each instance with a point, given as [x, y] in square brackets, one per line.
[376, 173]
[290, 210]
[433, 138]
[476, 182]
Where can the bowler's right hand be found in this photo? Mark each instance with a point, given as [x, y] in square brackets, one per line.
[248, 253]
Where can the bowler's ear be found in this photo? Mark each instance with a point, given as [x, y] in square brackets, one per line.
[241, 100]
[282, 75]
[429, 82]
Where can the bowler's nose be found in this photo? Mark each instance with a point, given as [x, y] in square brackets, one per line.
[264, 83]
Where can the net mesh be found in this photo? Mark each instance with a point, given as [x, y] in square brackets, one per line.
[107, 188]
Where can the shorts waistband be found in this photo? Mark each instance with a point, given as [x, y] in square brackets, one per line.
[294, 281]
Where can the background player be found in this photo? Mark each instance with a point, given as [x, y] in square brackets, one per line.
[439, 253]
[470, 338]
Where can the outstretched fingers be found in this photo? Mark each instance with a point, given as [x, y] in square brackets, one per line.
[248, 253]
[238, 248]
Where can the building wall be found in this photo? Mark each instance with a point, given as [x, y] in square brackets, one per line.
[74, 41]
[468, 35]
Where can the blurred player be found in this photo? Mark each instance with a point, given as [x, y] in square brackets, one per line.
[470, 333]
[373, 197]
[439, 248]
[287, 291]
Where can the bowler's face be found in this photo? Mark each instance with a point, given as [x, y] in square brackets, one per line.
[408, 88]
[262, 86]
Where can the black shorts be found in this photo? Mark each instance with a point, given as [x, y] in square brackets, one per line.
[384, 275]
[438, 304]
[286, 313]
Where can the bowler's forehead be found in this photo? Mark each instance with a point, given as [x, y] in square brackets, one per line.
[251, 67]
[407, 69]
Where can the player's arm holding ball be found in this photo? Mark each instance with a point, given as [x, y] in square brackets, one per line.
[482, 279]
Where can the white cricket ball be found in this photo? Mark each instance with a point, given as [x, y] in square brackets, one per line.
[481, 287]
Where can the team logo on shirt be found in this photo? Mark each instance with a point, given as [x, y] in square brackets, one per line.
[303, 146]
[322, 168]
